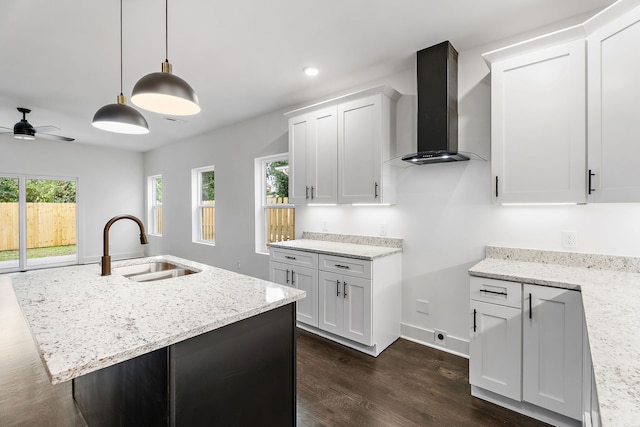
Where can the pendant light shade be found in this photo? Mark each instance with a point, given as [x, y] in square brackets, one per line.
[164, 92]
[120, 118]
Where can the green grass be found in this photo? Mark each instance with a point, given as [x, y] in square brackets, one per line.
[50, 251]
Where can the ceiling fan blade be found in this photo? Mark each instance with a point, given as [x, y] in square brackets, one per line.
[48, 128]
[2, 127]
[54, 137]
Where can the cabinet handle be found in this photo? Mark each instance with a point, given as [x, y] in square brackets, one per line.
[344, 289]
[591, 190]
[306, 192]
[290, 257]
[474, 320]
[342, 266]
[375, 190]
[493, 292]
[293, 282]
[312, 192]
[496, 187]
[337, 288]
[530, 312]
[287, 276]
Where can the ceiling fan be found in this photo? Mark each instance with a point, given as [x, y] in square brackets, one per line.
[24, 130]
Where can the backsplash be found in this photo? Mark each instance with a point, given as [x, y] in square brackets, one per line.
[570, 259]
[388, 242]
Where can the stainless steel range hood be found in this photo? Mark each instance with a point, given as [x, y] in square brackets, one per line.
[437, 78]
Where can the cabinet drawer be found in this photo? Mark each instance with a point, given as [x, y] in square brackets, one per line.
[496, 291]
[292, 257]
[349, 266]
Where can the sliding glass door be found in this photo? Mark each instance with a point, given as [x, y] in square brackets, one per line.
[38, 222]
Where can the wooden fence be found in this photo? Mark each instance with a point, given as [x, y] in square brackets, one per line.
[48, 224]
[209, 220]
[281, 222]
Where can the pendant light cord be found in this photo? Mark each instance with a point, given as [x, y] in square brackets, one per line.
[121, 78]
[166, 30]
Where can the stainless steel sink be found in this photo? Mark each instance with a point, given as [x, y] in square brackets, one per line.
[152, 271]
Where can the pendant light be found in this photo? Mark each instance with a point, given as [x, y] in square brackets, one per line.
[120, 118]
[165, 92]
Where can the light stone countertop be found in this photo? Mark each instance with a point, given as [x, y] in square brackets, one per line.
[610, 288]
[350, 246]
[82, 321]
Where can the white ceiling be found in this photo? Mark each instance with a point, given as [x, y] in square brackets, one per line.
[243, 57]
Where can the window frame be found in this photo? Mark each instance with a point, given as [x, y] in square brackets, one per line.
[153, 206]
[261, 206]
[198, 207]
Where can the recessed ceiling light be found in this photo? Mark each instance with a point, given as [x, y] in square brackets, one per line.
[311, 71]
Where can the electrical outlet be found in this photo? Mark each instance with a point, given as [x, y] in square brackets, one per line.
[238, 264]
[422, 306]
[440, 337]
[324, 225]
[383, 230]
[570, 239]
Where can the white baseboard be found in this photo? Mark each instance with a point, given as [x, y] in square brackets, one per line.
[454, 345]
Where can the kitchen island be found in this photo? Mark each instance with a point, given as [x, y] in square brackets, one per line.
[211, 347]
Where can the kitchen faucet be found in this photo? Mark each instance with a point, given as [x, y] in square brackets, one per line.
[106, 259]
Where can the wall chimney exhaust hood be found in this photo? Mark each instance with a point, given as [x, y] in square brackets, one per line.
[437, 78]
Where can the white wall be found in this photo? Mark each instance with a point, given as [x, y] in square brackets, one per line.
[109, 184]
[231, 151]
[443, 212]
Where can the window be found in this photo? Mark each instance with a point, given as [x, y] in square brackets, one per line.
[275, 217]
[154, 187]
[37, 222]
[204, 205]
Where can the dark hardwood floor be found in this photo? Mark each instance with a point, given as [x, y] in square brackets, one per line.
[407, 385]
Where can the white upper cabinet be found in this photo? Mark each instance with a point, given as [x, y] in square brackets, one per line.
[313, 153]
[364, 140]
[338, 149]
[614, 110]
[538, 121]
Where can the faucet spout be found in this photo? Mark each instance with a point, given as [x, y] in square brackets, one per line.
[106, 259]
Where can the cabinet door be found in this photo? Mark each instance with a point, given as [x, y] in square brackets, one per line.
[538, 114]
[306, 279]
[331, 307]
[322, 156]
[313, 153]
[280, 273]
[299, 131]
[360, 150]
[614, 128]
[552, 349]
[495, 355]
[356, 295]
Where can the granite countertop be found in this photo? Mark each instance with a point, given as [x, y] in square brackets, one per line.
[610, 288]
[350, 246]
[82, 321]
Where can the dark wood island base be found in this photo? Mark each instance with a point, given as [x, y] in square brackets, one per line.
[243, 374]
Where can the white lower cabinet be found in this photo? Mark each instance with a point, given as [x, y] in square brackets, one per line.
[552, 349]
[526, 346]
[494, 349]
[345, 306]
[300, 270]
[352, 301]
